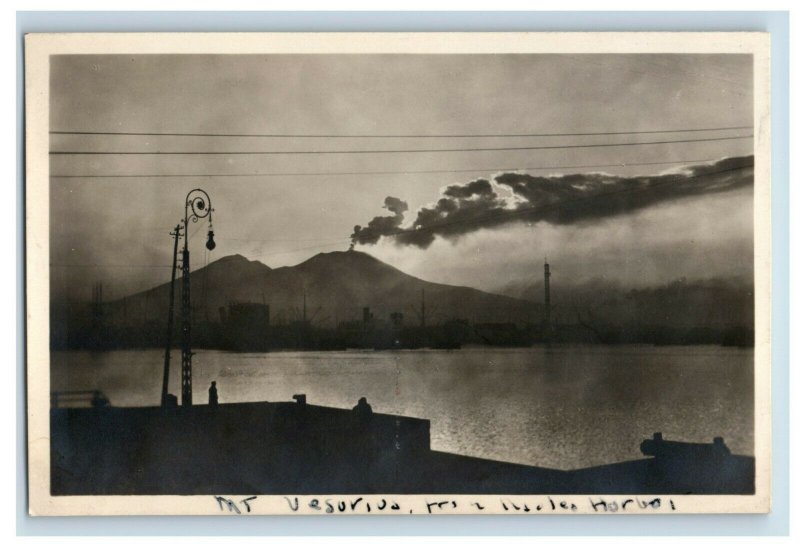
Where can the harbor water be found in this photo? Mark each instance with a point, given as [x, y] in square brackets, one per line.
[561, 407]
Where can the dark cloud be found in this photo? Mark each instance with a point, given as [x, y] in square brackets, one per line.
[574, 198]
[479, 188]
[454, 213]
[567, 199]
[383, 225]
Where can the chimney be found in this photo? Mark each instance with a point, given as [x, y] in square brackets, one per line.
[422, 316]
[546, 295]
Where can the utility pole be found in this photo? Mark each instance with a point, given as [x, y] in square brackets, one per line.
[170, 319]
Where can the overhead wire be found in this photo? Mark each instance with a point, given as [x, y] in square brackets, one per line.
[394, 135]
[379, 151]
[375, 173]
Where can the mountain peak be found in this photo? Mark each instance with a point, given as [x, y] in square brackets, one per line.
[347, 258]
[350, 254]
[237, 259]
[233, 258]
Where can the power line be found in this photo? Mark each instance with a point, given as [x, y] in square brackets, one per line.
[353, 173]
[391, 151]
[528, 210]
[394, 136]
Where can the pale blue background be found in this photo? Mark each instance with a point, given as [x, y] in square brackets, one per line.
[777, 23]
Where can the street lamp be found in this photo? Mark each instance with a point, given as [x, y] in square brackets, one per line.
[197, 206]
[199, 203]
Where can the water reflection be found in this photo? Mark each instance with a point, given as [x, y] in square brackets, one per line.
[563, 407]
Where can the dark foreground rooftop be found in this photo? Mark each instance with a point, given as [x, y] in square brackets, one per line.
[297, 448]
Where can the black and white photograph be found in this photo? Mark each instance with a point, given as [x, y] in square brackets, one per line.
[525, 281]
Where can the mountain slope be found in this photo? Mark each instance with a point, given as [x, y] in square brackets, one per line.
[337, 285]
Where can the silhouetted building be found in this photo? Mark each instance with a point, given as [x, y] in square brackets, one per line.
[500, 334]
[691, 467]
[660, 448]
[397, 319]
[248, 314]
[247, 325]
[294, 446]
[223, 315]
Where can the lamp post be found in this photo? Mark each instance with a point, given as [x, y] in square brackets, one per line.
[197, 205]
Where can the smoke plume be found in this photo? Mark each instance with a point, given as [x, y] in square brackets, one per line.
[556, 199]
[381, 226]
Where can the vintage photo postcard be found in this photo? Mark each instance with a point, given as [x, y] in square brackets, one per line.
[405, 274]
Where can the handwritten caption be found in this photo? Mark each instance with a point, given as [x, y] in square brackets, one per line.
[430, 506]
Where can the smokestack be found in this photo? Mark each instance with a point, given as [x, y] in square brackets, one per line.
[546, 295]
[422, 316]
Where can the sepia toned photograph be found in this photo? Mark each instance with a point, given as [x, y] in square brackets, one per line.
[399, 278]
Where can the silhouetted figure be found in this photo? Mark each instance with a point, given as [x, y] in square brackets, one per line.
[213, 398]
[363, 443]
[362, 409]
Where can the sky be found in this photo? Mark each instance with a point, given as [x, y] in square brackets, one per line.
[116, 230]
